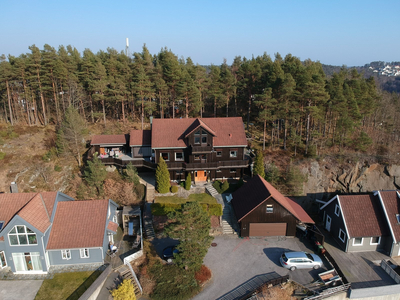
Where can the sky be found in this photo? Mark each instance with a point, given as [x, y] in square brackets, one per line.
[351, 33]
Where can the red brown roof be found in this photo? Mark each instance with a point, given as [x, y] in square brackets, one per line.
[115, 139]
[112, 226]
[79, 224]
[391, 202]
[49, 199]
[255, 192]
[140, 138]
[11, 204]
[170, 133]
[363, 215]
[35, 213]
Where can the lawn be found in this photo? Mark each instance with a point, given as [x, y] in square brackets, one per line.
[202, 198]
[62, 285]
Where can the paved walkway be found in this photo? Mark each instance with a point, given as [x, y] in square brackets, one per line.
[19, 289]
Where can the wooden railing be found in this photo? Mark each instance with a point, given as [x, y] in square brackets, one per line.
[201, 149]
[329, 292]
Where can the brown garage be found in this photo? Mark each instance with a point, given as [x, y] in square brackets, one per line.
[267, 229]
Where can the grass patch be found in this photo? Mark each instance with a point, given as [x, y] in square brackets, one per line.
[202, 198]
[62, 285]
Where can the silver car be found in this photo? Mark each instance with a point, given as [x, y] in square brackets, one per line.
[300, 260]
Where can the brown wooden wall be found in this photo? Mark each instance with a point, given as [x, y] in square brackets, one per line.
[259, 215]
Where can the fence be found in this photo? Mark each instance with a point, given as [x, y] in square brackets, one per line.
[134, 276]
[330, 292]
[330, 259]
[388, 269]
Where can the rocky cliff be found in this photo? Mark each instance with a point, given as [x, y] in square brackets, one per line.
[327, 176]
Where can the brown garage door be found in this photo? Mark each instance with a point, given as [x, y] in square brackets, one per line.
[267, 229]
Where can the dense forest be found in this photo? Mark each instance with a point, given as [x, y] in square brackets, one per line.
[293, 103]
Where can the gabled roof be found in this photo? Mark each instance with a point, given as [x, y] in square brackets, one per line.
[115, 139]
[35, 208]
[256, 191]
[362, 215]
[390, 201]
[197, 124]
[78, 224]
[170, 133]
[140, 138]
[35, 213]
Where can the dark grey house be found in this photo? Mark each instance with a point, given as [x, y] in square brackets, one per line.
[364, 222]
[40, 231]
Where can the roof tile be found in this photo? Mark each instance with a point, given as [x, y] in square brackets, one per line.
[391, 201]
[363, 215]
[78, 224]
[140, 138]
[115, 139]
[34, 212]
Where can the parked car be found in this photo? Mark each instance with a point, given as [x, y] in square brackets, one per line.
[300, 260]
[168, 253]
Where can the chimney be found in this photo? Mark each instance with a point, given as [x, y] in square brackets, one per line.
[151, 122]
[13, 187]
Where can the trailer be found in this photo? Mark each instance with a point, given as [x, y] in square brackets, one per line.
[330, 277]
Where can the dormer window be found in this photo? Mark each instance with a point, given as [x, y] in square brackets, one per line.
[22, 235]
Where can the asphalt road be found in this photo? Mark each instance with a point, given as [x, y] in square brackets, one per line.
[234, 261]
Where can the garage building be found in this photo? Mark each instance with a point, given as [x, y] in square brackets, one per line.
[263, 211]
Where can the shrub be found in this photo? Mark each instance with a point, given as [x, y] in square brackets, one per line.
[57, 168]
[225, 186]
[174, 189]
[125, 291]
[217, 186]
[2, 155]
[215, 209]
[162, 177]
[203, 275]
[188, 182]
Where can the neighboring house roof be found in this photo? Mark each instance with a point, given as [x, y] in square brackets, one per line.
[35, 213]
[140, 138]
[78, 224]
[35, 208]
[256, 191]
[170, 133]
[112, 226]
[391, 204]
[362, 215]
[115, 139]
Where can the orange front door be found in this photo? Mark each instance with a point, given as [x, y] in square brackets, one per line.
[200, 175]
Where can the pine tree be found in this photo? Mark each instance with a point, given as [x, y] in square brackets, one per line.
[95, 173]
[162, 177]
[131, 174]
[258, 168]
[191, 226]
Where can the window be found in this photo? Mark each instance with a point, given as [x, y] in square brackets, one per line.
[204, 139]
[375, 240]
[84, 253]
[398, 218]
[179, 156]
[342, 235]
[165, 156]
[270, 208]
[28, 261]
[233, 153]
[219, 171]
[232, 170]
[3, 262]
[179, 172]
[197, 157]
[219, 153]
[1, 224]
[66, 254]
[197, 132]
[115, 219]
[203, 132]
[337, 210]
[22, 235]
[197, 140]
[357, 241]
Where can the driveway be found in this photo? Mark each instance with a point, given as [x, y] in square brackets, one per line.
[19, 289]
[234, 261]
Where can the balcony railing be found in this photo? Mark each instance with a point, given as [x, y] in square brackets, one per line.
[201, 149]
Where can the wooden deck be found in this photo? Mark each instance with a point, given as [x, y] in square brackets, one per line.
[362, 269]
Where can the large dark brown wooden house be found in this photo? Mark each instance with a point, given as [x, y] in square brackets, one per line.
[262, 211]
[207, 148]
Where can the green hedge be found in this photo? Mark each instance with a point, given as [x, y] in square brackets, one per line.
[162, 209]
[174, 189]
[221, 187]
